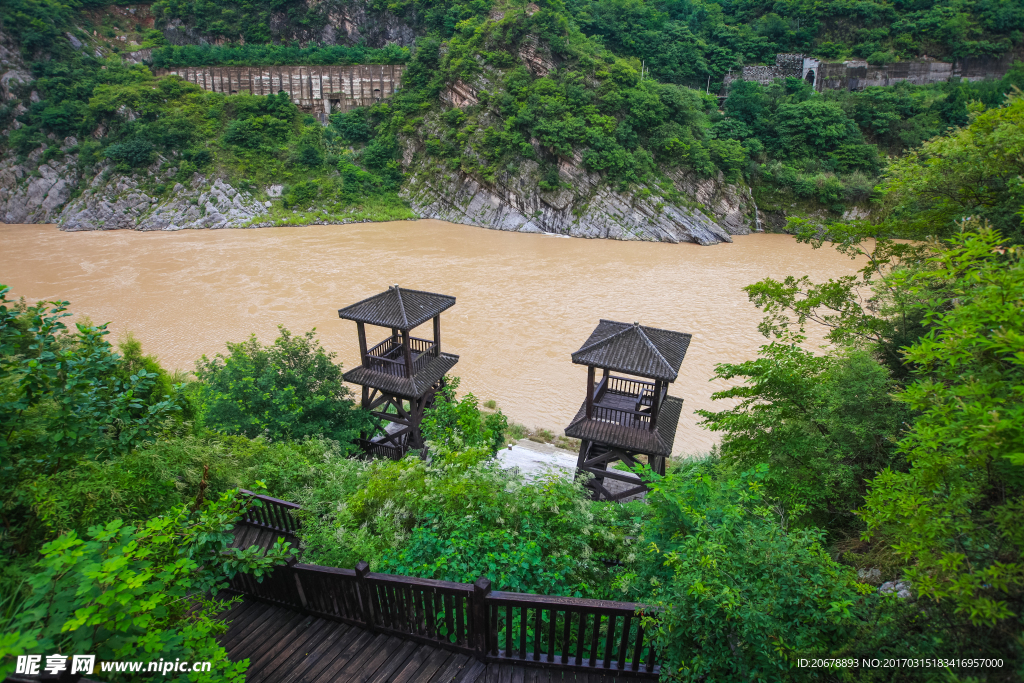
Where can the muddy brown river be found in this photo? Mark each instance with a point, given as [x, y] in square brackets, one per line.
[525, 301]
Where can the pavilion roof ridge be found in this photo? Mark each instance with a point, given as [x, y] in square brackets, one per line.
[635, 349]
[401, 304]
[398, 308]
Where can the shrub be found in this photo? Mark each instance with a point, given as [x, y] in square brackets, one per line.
[131, 153]
[257, 132]
[954, 516]
[824, 424]
[739, 594]
[289, 390]
[129, 592]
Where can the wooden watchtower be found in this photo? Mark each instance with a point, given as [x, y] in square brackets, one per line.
[624, 417]
[401, 374]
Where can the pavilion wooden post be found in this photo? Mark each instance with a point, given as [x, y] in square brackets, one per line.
[590, 391]
[362, 344]
[407, 352]
[437, 335]
[656, 403]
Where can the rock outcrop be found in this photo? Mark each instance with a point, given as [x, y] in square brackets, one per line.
[38, 191]
[339, 23]
[591, 209]
[35, 191]
[120, 203]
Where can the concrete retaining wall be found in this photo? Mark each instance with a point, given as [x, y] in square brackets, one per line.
[318, 90]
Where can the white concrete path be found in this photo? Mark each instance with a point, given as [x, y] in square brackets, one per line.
[534, 459]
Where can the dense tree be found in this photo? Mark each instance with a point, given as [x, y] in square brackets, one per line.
[974, 171]
[954, 515]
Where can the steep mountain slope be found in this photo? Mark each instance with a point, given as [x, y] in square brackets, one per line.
[514, 115]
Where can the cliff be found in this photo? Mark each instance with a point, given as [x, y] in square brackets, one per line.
[592, 209]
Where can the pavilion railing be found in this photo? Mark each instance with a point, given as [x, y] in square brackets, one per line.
[621, 416]
[493, 626]
[388, 357]
[624, 386]
[382, 449]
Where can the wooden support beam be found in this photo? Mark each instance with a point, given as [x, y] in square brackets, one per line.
[437, 333]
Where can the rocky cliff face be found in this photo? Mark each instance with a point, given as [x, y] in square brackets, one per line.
[53, 191]
[38, 190]
[341, 23]
[590, 209]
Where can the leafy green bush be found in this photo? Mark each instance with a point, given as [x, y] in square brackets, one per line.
[149, 480]
[131, 153]
[975, 171]
[258, 132]
[824, 424]
[288, 390]
[133, 592]
[454, 424]
[459, 517]
[739, 594]
[64, 398]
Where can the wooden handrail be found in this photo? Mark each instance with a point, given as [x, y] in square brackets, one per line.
[560, 632]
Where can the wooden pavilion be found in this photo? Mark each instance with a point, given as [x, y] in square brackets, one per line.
[626, 417]
[401, 375]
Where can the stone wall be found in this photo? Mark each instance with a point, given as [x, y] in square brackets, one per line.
[858, 74]
[318, 90]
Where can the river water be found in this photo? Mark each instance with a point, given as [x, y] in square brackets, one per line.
[525, 301]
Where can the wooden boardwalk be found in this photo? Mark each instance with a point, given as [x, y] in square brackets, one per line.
[285, 646]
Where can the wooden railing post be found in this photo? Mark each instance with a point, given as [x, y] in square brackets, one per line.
[480, 628]
[365, 602]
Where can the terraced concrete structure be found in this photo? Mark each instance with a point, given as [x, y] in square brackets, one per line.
[858, 74]
[318, 90]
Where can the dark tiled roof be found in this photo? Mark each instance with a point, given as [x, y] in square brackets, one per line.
[658, 442]
[401, 308]
[409, 387]
[634, 349]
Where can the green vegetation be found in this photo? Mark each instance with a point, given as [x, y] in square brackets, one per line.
[290, 390]
[262, 55]
[155, 124]
[892, 454]
[132, 592]
[626, 90]
[743, 596]
[684, 41]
